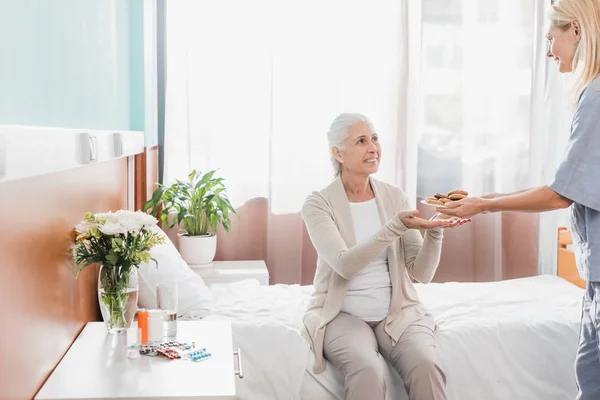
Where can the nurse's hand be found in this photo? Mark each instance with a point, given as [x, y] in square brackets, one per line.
[464, 208]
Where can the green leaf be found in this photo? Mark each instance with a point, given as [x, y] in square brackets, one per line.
[208, 176]
[155, 200]
[112, 257]
[164, 218]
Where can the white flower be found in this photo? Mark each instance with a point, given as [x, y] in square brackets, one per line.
[112, 228]
[84, 227]
[109, 217]
[145, 219]
[134, 221]
[129, 221]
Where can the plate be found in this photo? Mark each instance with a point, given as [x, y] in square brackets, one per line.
[432, 205]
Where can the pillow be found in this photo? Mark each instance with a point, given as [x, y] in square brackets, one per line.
[195, 298]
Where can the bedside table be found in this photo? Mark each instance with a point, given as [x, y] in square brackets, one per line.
[233, 271]
[96, 367]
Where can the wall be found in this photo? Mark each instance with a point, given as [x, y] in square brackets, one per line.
[43, 307]
[72, 63]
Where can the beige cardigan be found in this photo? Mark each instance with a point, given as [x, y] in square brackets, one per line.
[329, 222]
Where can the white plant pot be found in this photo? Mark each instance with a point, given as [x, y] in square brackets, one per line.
[198, 250]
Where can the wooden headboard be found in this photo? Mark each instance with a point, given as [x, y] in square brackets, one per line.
[567, 268]
[43, 306]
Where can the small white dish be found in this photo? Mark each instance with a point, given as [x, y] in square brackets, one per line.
[432, 205]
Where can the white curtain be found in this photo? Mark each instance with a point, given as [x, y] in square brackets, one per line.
[251, 90]
[479, 96]
[477, 90]
[456, 90]
[553, 137]
[558, 116]
[552, 113]
[253, 86]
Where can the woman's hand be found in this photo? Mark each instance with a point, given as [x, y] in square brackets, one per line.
[464, 208]
[453, 220]
[411, 220]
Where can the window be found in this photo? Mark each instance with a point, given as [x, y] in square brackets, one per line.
[476, 78]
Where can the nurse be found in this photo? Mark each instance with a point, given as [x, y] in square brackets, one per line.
[574, 43]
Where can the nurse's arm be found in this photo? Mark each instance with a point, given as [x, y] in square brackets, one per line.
[533, 200]
[496, 195]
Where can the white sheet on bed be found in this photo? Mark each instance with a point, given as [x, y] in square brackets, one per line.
[501, 340]
[512, 339]
[265, 322]
[508, 340]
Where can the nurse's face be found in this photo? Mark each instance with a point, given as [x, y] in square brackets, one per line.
[562, 45]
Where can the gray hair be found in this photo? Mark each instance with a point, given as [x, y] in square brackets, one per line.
[338, 133]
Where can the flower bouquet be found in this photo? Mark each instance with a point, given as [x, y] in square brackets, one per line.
[119, 242]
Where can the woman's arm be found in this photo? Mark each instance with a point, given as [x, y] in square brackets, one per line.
[422, 256]
[330, 245]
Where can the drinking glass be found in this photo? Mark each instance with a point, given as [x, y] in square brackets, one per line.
[167, 298]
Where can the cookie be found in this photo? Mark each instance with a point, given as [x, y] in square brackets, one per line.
[458, 191]
[445, 200]
[440, 196]
[457, 196]
[433, 201]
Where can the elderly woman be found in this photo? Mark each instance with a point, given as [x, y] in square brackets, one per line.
[574, 43]
[369, 247]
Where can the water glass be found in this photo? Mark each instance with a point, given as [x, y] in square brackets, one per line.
[134, 338]
[167, 298]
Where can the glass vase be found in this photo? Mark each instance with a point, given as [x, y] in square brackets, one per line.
[118, 295]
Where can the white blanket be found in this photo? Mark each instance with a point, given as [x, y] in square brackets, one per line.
[500, 340]
[513, 339]
[265, 325]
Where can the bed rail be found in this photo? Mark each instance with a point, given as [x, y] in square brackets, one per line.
[567, 267]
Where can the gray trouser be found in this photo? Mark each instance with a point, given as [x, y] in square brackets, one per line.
[587, 362]
[352, 346]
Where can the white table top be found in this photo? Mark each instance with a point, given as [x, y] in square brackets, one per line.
[233, 269]
[96, 367]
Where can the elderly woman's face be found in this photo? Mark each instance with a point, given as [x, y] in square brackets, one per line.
[362, 153]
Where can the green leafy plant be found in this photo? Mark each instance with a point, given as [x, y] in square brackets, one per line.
[198, 204]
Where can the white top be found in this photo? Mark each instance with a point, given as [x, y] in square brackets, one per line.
[370, 291]
[96, 367]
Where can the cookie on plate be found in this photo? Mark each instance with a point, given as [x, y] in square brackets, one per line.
[458, 191]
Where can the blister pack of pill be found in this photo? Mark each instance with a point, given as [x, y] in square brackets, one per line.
[198, 355]
[176, 350]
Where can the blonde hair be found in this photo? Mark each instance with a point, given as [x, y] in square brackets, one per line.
[587, 13]
[338, 133]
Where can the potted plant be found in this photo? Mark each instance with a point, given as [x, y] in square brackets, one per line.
[119, 242]
[197, 204]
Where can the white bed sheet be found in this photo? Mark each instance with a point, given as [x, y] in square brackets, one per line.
[265, 325]
[508, 340]
[504, 340]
